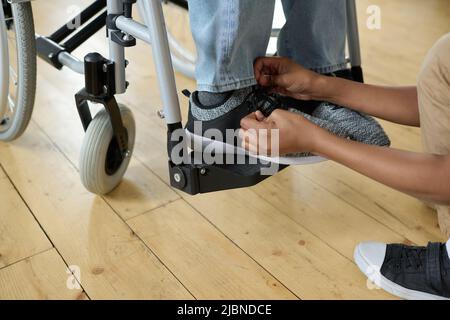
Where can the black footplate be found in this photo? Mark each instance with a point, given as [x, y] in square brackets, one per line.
[195, 178]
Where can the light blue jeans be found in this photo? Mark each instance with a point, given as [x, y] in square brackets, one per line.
[231, 34]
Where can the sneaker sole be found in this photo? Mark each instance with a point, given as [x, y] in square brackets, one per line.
[226, 148]
[386, 284]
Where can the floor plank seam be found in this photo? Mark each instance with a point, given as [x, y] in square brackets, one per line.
[304, 227]
[104, 198]
[156, 256]
[26, 258]
[55, 145]
[241, 249]
[34, 216]
[153, 209]
[320, 239]
[26, 205]
[42, 252]
[363, 211]
[111, 207]
[220, 231]
[178, 192]
[315, 235]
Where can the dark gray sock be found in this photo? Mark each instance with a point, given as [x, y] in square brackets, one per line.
[212, 99]
[228, 103]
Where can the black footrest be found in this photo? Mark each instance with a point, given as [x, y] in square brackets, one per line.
[204, 178]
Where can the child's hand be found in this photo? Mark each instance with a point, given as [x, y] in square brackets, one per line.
[287, 77]
[295, 133]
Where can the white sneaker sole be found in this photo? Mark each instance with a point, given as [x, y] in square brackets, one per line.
[225, 148]
[372, 272]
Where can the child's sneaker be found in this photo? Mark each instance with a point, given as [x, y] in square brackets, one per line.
[413, 273]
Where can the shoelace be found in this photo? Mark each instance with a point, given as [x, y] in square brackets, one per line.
[260, 100]
[412, 257]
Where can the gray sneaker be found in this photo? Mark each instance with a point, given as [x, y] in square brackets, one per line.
[227, 116]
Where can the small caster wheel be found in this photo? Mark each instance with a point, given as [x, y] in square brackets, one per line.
[101, 166]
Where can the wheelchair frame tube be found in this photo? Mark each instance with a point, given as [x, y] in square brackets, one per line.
[71, 62]
[185, 65]
[84, 33]
[4, 56]
[154, 18]
[353, 34]
[154, 33]
[65, 31]
[116, 51]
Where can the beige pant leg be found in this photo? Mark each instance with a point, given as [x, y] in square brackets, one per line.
[434, 105]
[444, 220]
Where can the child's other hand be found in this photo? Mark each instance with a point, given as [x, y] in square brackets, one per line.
[293, 133]
[286, 77]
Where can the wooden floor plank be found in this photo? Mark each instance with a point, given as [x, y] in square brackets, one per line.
[113, 261]
[339, 224]
[202, 258]
[130, 199]
[409, 28]
[300, 260]
[43, 276]
[20, 234]
[407, 216]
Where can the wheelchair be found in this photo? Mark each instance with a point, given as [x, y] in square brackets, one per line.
[110, 134]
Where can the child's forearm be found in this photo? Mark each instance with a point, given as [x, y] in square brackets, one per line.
[399, 105]
[421, 175]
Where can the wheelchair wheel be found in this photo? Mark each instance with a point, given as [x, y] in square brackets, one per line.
[101, 165]
[18, 64]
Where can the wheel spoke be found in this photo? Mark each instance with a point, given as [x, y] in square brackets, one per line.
[12, 37]
[11, 104]
[13, 74]
[13, 77]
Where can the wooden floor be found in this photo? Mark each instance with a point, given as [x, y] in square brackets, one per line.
[291, 237]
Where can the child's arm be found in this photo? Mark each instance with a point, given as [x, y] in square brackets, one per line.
[395, 104]
[398, 105]
[421, 175]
